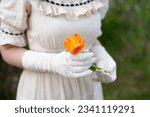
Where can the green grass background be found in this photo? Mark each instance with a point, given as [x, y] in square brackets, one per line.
[126, 36]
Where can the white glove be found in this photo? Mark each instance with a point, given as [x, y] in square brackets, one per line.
[64, 63]
[106, 62]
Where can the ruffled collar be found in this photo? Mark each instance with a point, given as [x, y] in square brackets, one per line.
[72, 10]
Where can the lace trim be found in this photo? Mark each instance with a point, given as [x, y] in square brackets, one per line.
[16, 34]
[68, 5]
[17, 40]
[73, 13]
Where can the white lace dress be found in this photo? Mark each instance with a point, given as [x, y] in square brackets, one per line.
[43, 25]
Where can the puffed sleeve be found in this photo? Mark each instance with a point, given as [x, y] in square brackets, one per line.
[13, 15]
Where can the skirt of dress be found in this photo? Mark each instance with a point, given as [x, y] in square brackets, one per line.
[52, 86]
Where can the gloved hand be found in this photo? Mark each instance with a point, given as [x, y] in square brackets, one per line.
[73, 65]
[64, 63]
[106, 62]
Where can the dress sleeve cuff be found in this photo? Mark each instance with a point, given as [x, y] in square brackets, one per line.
[13, 38]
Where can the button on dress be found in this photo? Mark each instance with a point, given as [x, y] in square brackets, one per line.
[43, 25]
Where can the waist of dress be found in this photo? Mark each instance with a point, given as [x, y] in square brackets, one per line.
[39, 48]
[47, 50]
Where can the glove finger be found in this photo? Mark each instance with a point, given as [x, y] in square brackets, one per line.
[80, 69]
[82, 56]
[105, 77]
[82, 74]
[85, 62]
[103, 64]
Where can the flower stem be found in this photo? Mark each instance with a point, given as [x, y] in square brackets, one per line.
[95, 68]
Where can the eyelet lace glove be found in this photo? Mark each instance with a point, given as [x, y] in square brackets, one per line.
[64, 63]
[106, 62]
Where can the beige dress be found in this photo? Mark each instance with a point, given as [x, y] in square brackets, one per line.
[43, 25]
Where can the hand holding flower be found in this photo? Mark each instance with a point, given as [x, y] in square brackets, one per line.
[76, 45]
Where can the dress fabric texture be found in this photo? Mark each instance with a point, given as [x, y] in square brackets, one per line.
[43, 26]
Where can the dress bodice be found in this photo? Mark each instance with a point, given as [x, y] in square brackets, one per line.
[43, 25]
[49, 22]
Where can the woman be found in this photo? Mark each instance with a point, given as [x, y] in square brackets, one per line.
[49, 71]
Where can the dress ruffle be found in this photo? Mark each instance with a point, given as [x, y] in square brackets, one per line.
[96, 6]
[17, 40]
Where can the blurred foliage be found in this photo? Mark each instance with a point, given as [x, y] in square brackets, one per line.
[8, 80]
[126, 37]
